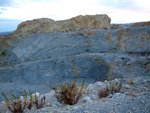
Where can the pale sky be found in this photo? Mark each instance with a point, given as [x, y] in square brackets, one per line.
[12, 12]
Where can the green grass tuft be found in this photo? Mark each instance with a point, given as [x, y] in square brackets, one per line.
[18, 105]
[69, 93]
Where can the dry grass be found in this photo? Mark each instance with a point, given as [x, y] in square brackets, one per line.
[113, 88]
[69, 93]
[90, 32]
[18, 106]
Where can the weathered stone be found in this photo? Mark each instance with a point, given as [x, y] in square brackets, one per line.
[37, 94]
[99, 84]
[92, 22]
[141, 24]
[87, 100]
[148, 66]
[46, 25]
[66, 67]
[110, 96]
[38, 46]
[127, 86]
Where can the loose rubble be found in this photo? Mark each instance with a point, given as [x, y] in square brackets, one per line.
[133, 99]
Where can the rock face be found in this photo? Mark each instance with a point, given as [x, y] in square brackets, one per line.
[46, 25]
[32, 56]
[92, 22]
[141, 24]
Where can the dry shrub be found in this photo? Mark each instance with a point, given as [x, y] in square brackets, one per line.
[18, 106]
[69, 93]
[113, 88]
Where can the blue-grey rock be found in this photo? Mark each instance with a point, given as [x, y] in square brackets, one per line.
[41, 58]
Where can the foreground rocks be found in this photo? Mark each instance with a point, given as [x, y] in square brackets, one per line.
[132, 99]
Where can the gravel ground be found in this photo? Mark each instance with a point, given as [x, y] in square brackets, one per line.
[18, 88]
[133, 98]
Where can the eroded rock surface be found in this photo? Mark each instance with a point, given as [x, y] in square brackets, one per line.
[33, 55]
[46, 25]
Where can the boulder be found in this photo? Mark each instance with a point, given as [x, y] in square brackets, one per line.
[92, 22]
[44, 25]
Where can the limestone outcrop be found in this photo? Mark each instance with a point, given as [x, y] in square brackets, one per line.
[92, 22]
[46, 25]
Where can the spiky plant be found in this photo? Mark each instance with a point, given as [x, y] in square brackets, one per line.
[69, 93]
[15, 106]
[42, 102]
[39, 104]
[25, 99]
[31, 101]
[18, 105]
[111, 89]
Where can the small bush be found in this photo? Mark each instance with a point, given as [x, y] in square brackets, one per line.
[69, 93]
[18, 105]
[113, 88]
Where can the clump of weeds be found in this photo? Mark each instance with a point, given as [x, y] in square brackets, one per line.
[19, 105]
[69, 93]
[114, 87]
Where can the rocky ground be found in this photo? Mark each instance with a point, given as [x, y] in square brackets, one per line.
[134, 97]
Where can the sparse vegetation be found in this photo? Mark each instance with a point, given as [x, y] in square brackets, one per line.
[18, 105]
[90, 32]
[49, 57]
[69, 93]
[122, 58]
[3, 53]
[114, 87]
[87, 50]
